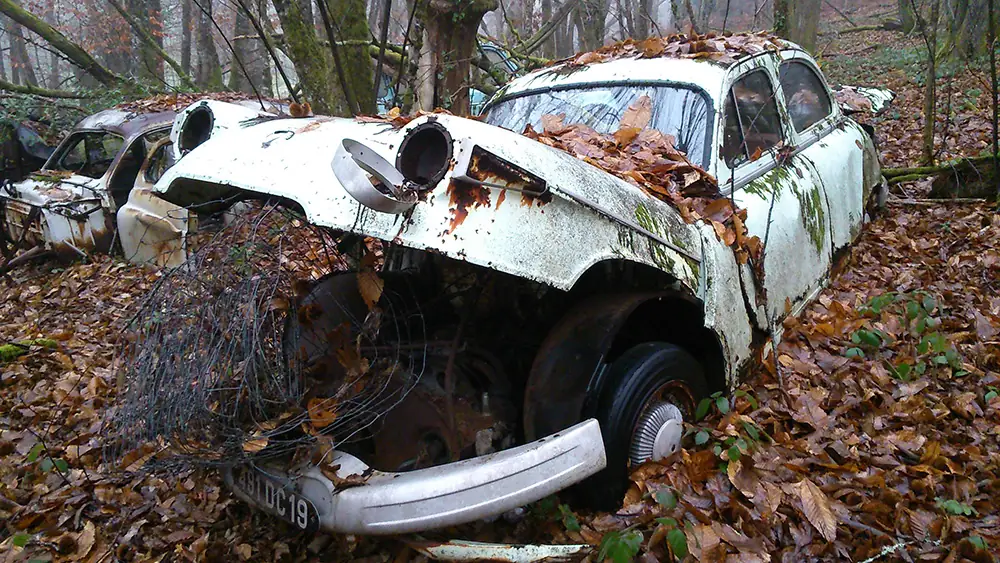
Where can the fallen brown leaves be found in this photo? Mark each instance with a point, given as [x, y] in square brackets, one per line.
[847, 456]
[180, 100]
[59, 499]
[648, 159]
[722, 49]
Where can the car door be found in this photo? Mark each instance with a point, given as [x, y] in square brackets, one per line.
[786, 203]
[127, 169]
[826, 143]
[153, 230]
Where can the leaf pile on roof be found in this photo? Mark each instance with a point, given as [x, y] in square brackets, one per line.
[648, 159]
[722, 49]
[179, 101]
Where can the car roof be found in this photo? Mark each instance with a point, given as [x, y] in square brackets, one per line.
[698, 74]
[700, 61]
[127, 124]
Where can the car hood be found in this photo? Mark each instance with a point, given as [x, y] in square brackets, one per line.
[587, 215]
[44, 190]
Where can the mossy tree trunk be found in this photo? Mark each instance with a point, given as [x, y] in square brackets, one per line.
[209, 69]
[797, 21]
[357, 60]
[449, 44]
[313, 65]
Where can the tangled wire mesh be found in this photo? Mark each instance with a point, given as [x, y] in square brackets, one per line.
[268, 339]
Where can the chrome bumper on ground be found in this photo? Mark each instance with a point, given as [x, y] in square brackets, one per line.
[446, 495]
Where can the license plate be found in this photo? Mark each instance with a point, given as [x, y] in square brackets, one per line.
[279, 499]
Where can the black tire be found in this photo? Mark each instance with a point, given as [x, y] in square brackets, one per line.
[633, 379]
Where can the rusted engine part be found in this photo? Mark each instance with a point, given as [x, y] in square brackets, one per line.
[70, 229]
[459, 550]
[420, 432]
[207, 372]
[436, 422]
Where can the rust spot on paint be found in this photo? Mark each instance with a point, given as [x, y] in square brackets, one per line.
[462, 196]
[494, 171]
[501, 198]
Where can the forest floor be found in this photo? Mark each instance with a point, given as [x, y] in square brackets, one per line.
[873, 434]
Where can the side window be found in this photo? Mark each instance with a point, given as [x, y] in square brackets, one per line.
[807, 99]
[159, 162]
[89, 153]
[752, 121]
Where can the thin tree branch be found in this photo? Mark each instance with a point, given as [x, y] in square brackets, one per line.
[39, 91]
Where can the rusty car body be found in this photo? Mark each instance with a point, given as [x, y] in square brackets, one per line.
[98, 183]
[605, 313]
[69, 205]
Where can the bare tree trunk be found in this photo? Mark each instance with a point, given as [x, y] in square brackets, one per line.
[52, 19]
[151, 47]
[137, 13]
[449, 45]
[590, 23]
[3, 32]
[626, 17]
[991, 45]
[564, 37]
[209, 70]
[929, 31]
[20, 61]
[266, 88]
[375, 16]
[549, 46]
[243, 47]
[186, 25]
[644, 19]
[527, 18]
[691, 16]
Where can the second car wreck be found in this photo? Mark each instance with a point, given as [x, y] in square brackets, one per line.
[575, 289]
[82, 198]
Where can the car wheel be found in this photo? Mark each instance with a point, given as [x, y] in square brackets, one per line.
[648, 394]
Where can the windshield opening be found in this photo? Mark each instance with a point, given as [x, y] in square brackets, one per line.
[87, 153]
[678, 111]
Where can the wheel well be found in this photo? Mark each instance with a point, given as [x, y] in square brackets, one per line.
[678, 320]
[614, 306]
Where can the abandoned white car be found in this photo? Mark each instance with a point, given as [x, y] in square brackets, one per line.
[616, 241]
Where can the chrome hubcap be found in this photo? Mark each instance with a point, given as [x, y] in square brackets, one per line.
[658, 434]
